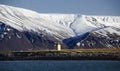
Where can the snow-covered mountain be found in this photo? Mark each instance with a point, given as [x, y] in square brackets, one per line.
[73, 30]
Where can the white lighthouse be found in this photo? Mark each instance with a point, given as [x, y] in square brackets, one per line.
[58, 46]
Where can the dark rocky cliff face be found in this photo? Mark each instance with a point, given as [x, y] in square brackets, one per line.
[95, 40]
[14, 40]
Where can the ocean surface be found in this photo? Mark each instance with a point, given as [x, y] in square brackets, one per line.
[60, 65]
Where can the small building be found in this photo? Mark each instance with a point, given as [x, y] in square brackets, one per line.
[58, 46]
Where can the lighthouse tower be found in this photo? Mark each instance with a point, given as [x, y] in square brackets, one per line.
[58, 46]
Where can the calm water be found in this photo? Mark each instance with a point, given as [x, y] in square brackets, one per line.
[65, 65]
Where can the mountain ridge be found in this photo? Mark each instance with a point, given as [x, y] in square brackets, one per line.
[58, 27]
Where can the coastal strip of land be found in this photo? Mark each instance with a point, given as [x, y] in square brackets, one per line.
[65, 54]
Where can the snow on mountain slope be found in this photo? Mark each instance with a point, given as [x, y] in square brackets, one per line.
[60, 26]
[108, 30]
[25, 20]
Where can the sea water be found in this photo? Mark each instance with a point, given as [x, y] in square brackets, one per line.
[60, 65]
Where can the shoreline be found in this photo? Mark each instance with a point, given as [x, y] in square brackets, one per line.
[59, 55]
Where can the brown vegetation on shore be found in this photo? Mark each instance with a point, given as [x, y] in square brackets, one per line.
[99, 50]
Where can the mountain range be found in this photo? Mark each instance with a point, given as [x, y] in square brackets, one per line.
[22, 29]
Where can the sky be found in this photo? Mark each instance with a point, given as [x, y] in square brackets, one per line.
[87, 7]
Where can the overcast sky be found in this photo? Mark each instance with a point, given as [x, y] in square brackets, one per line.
[88, 7]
